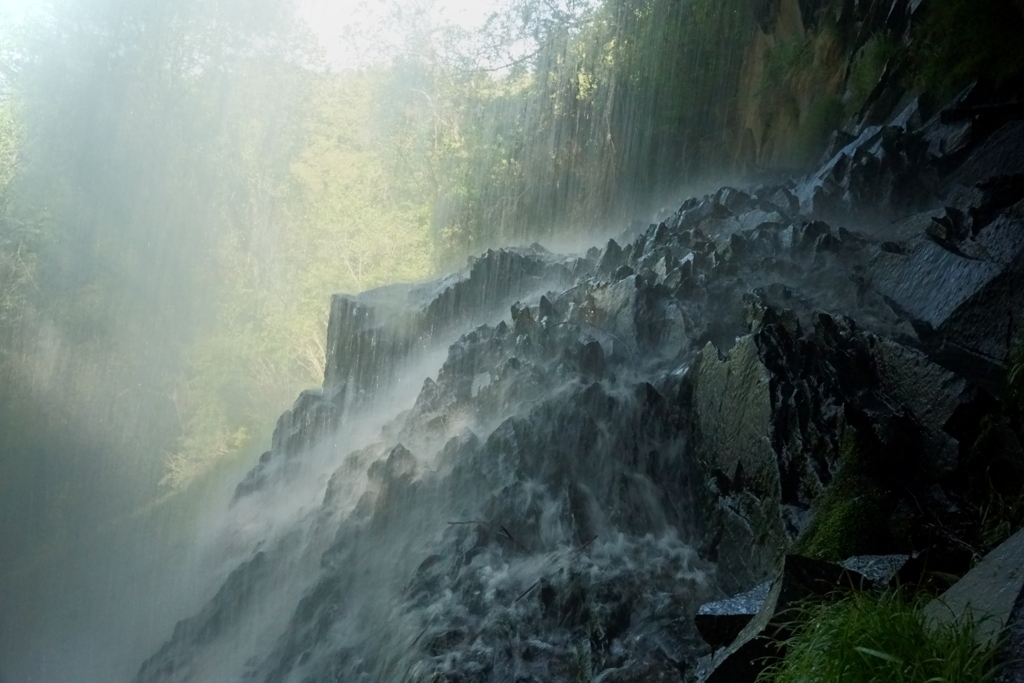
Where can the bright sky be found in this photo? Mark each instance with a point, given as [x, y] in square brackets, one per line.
[331, 19]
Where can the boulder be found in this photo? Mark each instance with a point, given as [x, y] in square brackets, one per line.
[719, 622]
[967, 309]
[987, 595]
[759, 643]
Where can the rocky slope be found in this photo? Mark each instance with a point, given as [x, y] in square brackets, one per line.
[619, 437]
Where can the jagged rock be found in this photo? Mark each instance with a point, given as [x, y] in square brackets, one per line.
[931, 392]
[592, 359]
[371, 336]
[612, 258]
[877, 175]
[732, 403]
[223, 612]
[970, 305]
[721, 621]
[758, 644]
[987, 594]
[547, 310]
[879, 570]
[1010, 657]
[659, 424]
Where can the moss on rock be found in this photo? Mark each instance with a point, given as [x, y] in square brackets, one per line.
[854, 515]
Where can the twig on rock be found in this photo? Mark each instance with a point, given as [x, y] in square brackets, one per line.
[523, 594]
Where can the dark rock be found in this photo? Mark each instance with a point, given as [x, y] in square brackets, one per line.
[621, 273]
[758, 644]
[546, 309]
[969, 303]
[837, 141]
[592, 359]
[1002, 154]
[732, 199]
[876, 176]
[879, 570]
[522, 319]
[671, 421]
[931, 392]
[950, 228]
[987, 594]
[721, 621]
[612, 258]
[1010, 657]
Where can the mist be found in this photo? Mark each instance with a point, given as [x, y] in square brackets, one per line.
[183, 186]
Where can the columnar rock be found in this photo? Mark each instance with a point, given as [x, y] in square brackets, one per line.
[616, 438]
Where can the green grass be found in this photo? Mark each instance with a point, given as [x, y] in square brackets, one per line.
[866, 70]
[868, 638]
[993, 472]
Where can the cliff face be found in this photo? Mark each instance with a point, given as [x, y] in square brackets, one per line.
[811, 67]
[542, 466]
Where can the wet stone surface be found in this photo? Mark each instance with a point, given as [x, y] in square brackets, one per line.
[617, 438]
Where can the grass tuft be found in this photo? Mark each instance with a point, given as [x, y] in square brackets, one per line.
[868, 638]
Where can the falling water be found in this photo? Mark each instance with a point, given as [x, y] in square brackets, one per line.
[522, 511]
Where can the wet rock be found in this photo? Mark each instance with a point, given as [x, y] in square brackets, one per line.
[732, 404]
[779, 198]
[612, 258]
[547, 310]
[932, 393]
[592, 359]
[221, 614]
[877, 175]
[664, 425]
[879, 570]
[963, 302]
[987, 594]
[721, 621]
[757, 645]
[1001, 154]
[372, 335]
[736, 201]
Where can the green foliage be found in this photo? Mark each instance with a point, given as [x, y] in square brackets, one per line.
[961, 40]
[854, 514]
[19, 240]
[783, 63]
[867, 638]
[597, 108]
[191, 186]
[822, 118]
[346, 225]
[797, 95]
[866, 70]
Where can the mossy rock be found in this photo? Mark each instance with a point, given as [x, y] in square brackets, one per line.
[856, 514]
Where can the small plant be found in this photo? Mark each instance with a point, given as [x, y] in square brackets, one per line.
[867, 68]
[1015, 385]
[994, 471]
[868, 638]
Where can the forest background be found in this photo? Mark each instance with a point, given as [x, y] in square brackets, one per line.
[183, 185]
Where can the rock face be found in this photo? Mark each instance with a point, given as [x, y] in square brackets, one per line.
[987, 594]
[615, 439]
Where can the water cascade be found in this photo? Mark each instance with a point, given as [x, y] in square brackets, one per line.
[542, 466]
